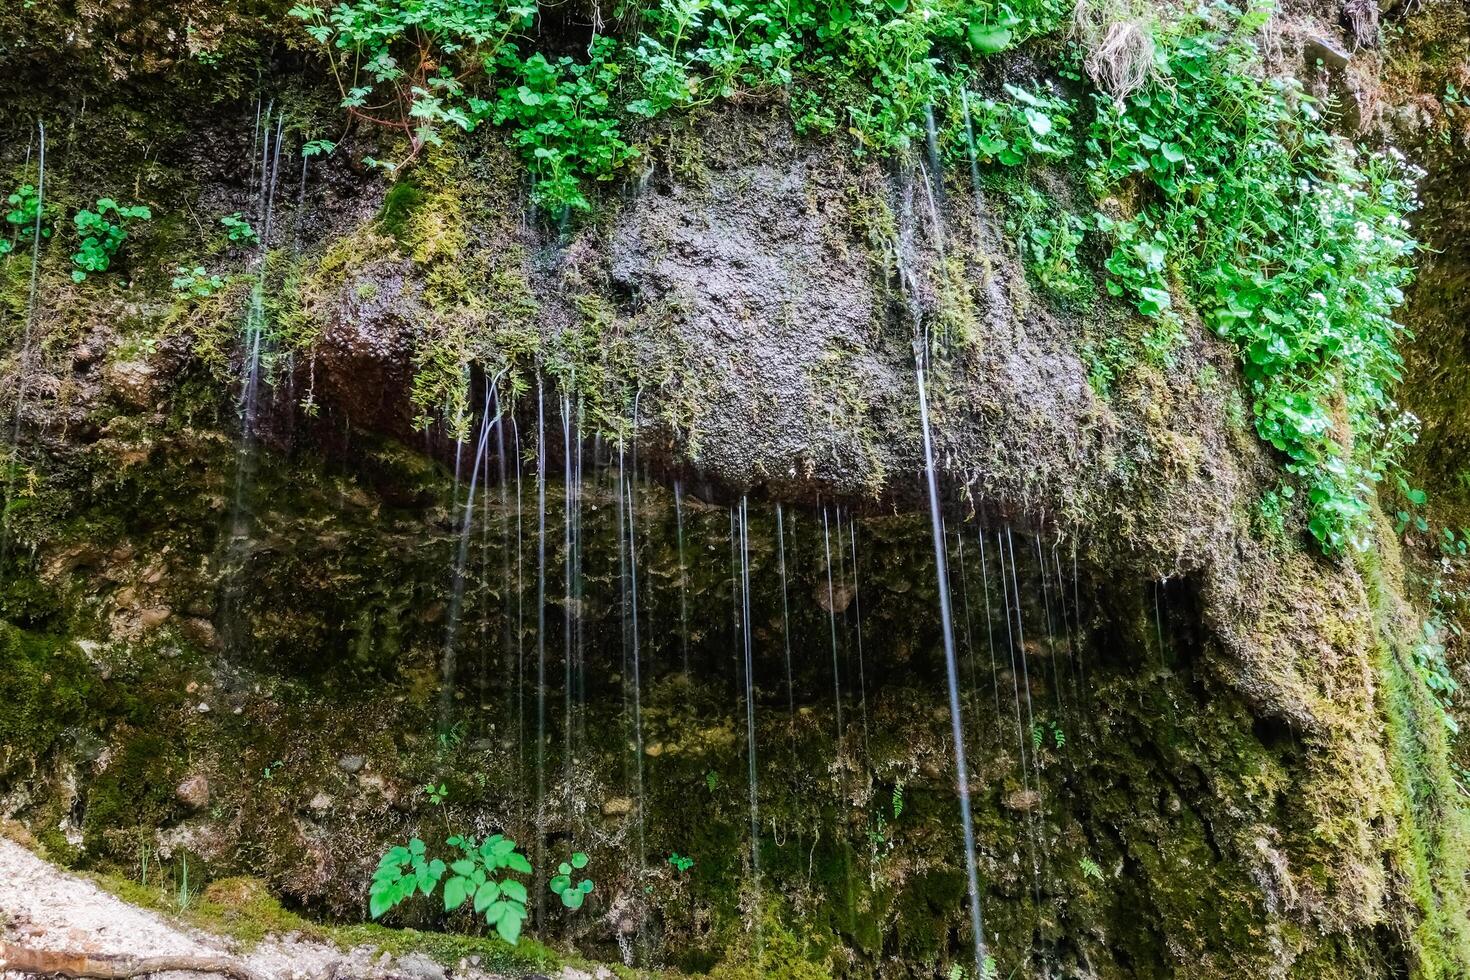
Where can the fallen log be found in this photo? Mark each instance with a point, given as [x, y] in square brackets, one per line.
[63, 963]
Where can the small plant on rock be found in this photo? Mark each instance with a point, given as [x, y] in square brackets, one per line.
[25, 209]
[102, 231]
[195, 283]
[572, 894]
[479, 876]
[239, 230]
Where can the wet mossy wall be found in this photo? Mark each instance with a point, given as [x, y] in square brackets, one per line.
[1248, 767]
[1134, 817]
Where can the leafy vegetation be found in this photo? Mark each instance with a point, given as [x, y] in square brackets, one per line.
[424, 67]
[238, 230]
[101, 232]
[1029, 125]
[25, 210]
[1049, 241]
[1292, 246]
[196, 283]
[1209, 175]
[571, 892]
[478, 876]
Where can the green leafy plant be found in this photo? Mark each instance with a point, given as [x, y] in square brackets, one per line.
[423, 67]
[898, 799]
[1434, 670]
[1049, 242]
[436, 794]
[196, 283]
[680, 863]
[239, 230]
[572, 893]
[1292, 245]
[101, 232]
[1040, 730]
[478, 875]
[269, 772]
[562, 119]
[1090, 869]
[1029, 125]
[185, 896]
[25, 208]
[406, 64]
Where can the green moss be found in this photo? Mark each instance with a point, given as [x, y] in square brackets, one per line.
[1431, 840]
[244, 909]
[45, 683]
[400, 205]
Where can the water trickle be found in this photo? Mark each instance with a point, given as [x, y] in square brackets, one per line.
[520, 621]
[456, 597]
[832, 620]
[962, 772]
[857, 611]
[786, 620]
[1022, 729]
[268, 143]
[755, 839]
[570, 495]
[683, 575]
[637, 697]
[989, 623]
[540, 640]
[959, 538]
[1051, 642]
[13, 467]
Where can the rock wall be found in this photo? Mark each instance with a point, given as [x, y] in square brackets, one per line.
[1258, 782]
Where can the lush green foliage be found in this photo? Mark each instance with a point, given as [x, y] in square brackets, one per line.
[196, 283]
[101, 232]
[1029, 125]
[238, 230]
[1290, 245]
[561, 116]
[478, 876]
[25, 209]
[1211, 175]
[572, 893]
[1049, 239]
[870, 67]
[680, 863]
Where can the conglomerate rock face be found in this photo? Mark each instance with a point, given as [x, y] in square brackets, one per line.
[1203, 751]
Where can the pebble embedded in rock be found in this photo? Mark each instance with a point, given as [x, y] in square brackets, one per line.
[194, 792]
[618, 806]
[351, 763]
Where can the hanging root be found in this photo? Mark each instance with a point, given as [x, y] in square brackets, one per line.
[1120, 49]
[1361, 17]
[50, 963]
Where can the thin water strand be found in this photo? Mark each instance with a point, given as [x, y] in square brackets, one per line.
[962, 773]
